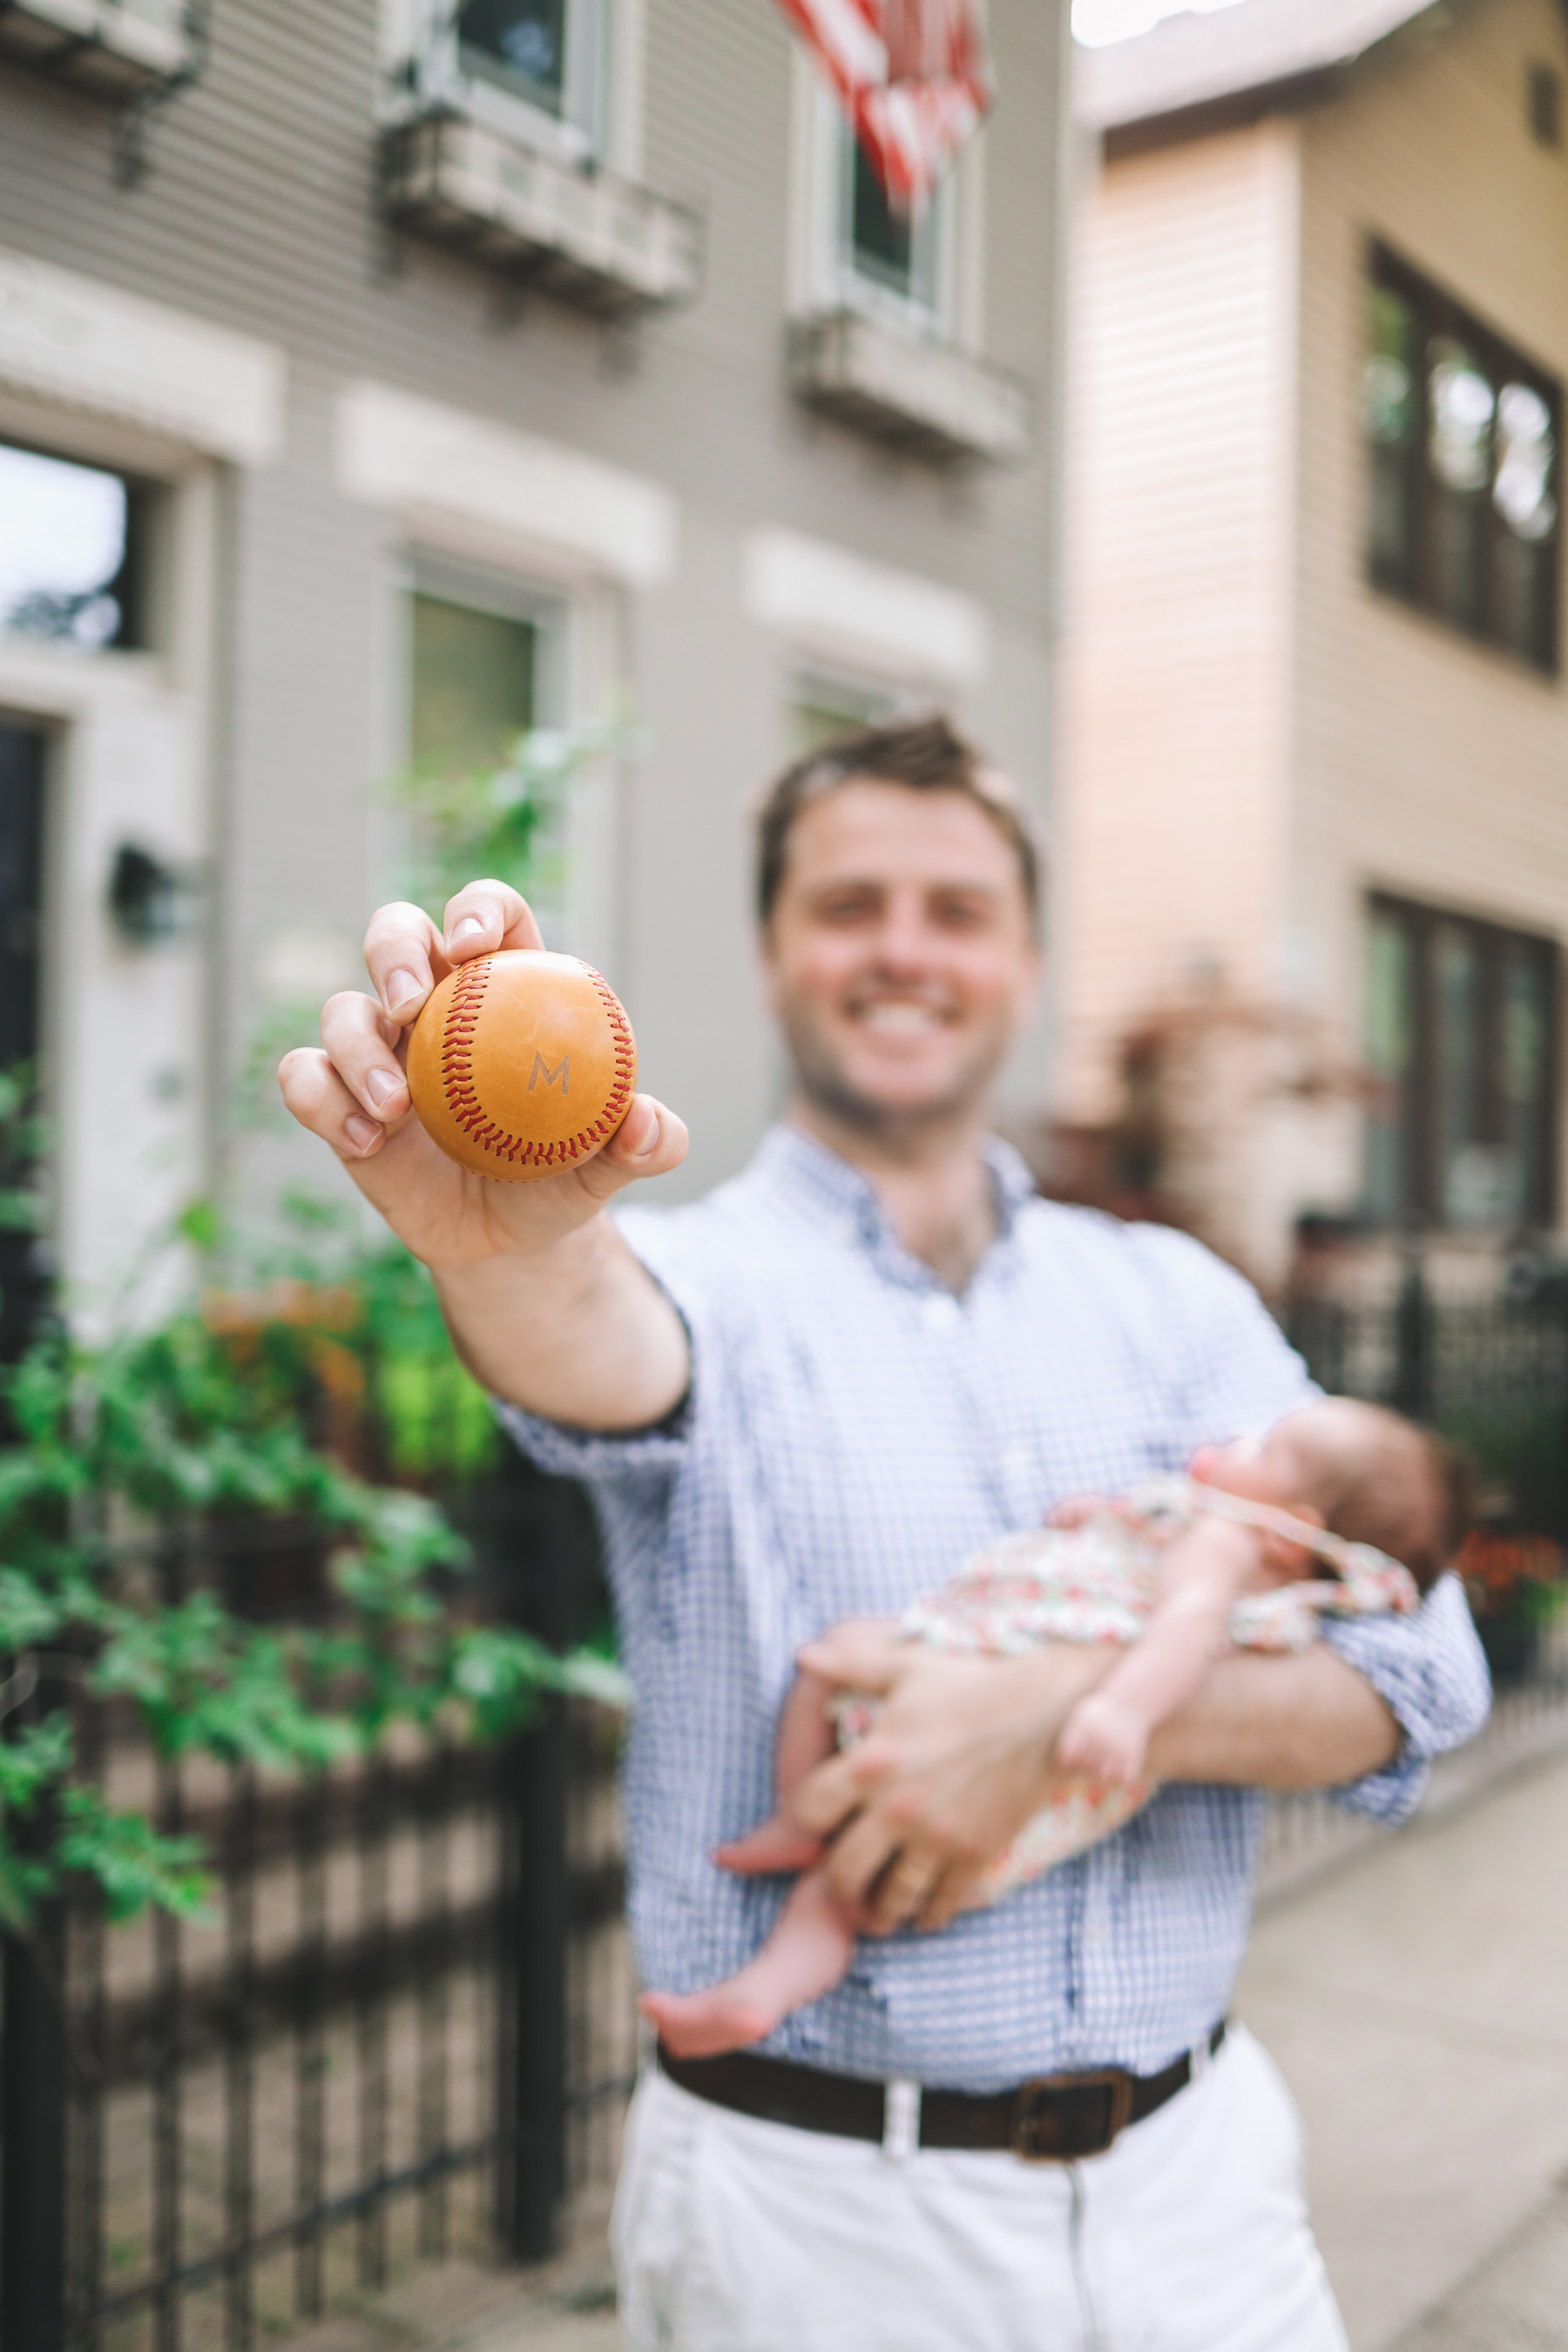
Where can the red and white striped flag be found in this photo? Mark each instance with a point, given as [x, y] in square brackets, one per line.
[912, 74]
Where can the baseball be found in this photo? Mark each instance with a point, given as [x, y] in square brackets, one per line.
[521, 1065]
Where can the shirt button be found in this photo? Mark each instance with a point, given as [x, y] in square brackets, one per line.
[940, 1311]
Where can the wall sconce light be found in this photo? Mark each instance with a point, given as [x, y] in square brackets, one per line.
[149, 901]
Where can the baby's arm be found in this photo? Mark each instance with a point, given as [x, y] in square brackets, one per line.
[1201, 1574]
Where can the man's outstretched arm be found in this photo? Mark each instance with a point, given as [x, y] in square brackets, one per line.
[546, 1303]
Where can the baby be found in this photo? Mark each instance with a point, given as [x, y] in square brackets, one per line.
[1179, 1572]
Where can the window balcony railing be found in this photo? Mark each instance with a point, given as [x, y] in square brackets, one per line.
[928, 398]
[115, 49]
[595, 240]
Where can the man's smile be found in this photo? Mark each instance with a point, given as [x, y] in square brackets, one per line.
[899, 1016]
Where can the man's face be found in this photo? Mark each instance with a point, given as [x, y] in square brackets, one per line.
[899, 959]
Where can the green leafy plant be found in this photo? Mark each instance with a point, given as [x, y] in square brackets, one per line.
[306, 1382]
[495, 823]
[130, 1470]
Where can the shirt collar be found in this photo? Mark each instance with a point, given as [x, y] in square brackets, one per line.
[804, 1174]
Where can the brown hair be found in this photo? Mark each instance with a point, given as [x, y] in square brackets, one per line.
[925, 755]
[1409, 1493]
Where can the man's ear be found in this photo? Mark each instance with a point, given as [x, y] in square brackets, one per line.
[767, 972]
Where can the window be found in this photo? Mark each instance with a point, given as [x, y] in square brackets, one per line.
[895, 265]
[1465, 443]
[825, 703]
[855, 251]
[886, 249]
[473, 686]
[72, 550]
[1543, 104]
[544, 51]
[528, 70]
[486, 663]
[1461, 1046]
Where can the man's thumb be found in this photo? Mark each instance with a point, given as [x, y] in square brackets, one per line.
[853, 1657]
[650, 1141]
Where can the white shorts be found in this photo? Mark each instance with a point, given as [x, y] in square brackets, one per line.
[1190, 2235]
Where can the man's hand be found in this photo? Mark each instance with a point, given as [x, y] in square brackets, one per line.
[961, 1756]
[546, 1304]
[958, 1762]
[353, 1095]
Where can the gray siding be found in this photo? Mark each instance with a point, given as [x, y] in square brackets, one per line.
[258, 214]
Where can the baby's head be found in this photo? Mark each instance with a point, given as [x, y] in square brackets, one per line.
[1367, 1473]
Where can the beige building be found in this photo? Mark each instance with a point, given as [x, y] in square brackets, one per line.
[1313, 803]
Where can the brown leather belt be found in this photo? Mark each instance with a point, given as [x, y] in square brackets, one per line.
[1054, 2119]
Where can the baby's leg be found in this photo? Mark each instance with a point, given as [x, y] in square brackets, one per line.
[806, 1737]
[806, 1956]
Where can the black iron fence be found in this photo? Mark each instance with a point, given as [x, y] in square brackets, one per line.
[407, 2030]
[1488, 1365]
[1490, 1371]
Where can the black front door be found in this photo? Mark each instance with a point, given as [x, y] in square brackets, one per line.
[21, 864]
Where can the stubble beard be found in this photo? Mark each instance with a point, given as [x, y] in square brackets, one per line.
[822, 1082]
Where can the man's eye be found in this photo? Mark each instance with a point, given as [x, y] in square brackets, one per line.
[852, 909]
[963, 914]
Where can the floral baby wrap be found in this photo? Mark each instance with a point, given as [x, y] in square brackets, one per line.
[1098, 1583]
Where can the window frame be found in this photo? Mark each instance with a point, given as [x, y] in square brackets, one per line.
[930, 242]
[848, 697]
[1423, 1207]
[506, 596]
[823, 274]
[429, 63]
[1543, 104]
[552, 612]
[1438, 313]
[135, 585]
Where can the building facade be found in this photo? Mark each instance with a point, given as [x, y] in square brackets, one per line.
[1314, 830]
[377, 380]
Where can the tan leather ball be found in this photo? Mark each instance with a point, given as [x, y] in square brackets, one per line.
[521, 1065]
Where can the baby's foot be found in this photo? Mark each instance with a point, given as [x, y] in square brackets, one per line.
[704, 2024]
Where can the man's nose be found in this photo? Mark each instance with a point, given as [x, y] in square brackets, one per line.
[907, 941]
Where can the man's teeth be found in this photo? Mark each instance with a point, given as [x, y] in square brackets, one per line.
[902, 1018]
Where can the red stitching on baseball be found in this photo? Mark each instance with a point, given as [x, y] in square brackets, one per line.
[462, 1092]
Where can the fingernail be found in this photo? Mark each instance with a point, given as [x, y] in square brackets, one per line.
[469, 928]
[647, 1118]
[382, 1085]
[361, 1132]
[400, 987]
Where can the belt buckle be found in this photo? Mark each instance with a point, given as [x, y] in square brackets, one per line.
[1029, 2101]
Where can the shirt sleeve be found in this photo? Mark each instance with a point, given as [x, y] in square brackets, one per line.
[1431, 1672]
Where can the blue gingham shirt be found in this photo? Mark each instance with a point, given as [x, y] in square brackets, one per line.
[852, 1434]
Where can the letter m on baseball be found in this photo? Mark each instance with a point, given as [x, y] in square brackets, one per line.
[541, 1069]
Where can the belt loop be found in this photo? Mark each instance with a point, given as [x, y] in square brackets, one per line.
[1199, 2060]
[900, 2119]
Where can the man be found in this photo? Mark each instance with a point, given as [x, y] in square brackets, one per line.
[805, 1401]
